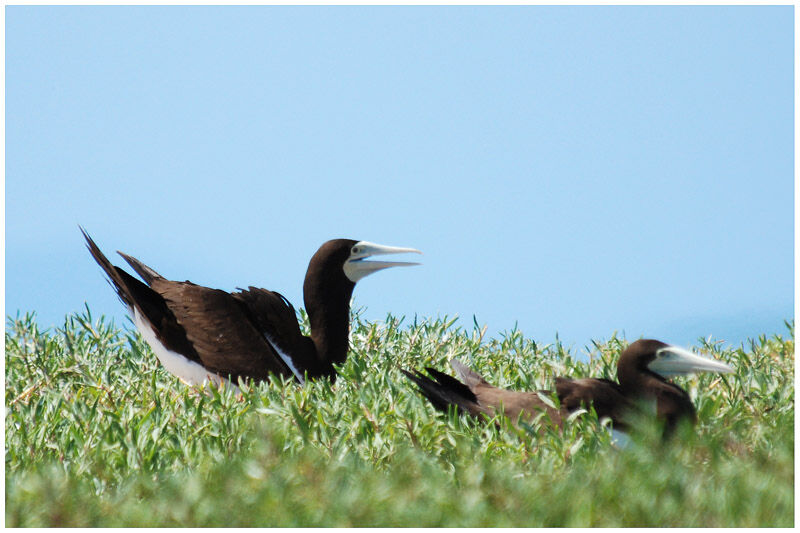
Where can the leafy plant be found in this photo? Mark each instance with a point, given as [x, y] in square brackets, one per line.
[98, 434]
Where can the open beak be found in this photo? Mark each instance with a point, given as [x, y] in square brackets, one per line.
[356, 267]
[675, 361]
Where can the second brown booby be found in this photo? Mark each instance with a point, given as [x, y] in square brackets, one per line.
[642, 372]
[201, 334]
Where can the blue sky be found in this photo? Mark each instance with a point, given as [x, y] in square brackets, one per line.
[572, 170]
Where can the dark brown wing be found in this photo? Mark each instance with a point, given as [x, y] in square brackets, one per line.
[476, 396]
[604, 395]
[516, 405]
[221, 330]
[275, 318]
[513, 404]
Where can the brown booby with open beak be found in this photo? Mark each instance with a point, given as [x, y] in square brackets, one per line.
[641, 373]
[201, 334]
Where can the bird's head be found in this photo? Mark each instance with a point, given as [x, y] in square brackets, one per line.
[667, 360]
[340, 263]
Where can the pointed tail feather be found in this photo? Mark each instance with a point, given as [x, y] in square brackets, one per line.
[452, 384]
[132, 292]
[148, 309]
[146, 273]
[445, 391]
[114, 275]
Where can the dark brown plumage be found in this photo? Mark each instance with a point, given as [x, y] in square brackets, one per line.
[200, 333]
[639, 383]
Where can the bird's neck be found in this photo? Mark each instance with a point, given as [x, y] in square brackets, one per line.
[636, 382]
[328, 311]
[671, 402]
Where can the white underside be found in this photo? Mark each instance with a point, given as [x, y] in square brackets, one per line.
[620, 439]
[186, 370]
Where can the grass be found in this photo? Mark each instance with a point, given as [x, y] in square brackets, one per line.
[97, 434]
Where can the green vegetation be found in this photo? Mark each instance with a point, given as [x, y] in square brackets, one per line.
[97, 434]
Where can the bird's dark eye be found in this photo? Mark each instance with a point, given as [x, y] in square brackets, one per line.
[355, 249]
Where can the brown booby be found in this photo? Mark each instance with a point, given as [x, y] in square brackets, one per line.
[642, 370]
[201, 334]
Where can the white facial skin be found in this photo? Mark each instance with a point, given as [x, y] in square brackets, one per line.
[356, 267]
[675, 361]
